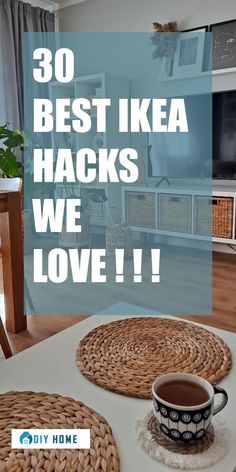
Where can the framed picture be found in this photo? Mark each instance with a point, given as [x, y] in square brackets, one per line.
[223, 45]
[189, 55]
[201, 29]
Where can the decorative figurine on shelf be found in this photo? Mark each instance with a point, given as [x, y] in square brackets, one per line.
[165, 40]
[165, 44]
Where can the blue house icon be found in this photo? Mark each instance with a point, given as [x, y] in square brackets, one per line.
[26, 438]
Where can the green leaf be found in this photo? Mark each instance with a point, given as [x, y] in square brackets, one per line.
[11, 140]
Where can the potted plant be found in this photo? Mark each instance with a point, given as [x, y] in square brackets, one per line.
[86, 195]
[12, 143]
[165, 44]
[164, 40]
[82, 238]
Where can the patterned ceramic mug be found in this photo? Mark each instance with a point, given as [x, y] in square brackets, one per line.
[186, 423]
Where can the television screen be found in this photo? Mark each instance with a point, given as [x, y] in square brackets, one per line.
[185, 155]
[212, 134]
[224, 135]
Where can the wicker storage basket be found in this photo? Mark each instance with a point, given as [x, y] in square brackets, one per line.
[119, 236]
[175, 213]
[222, 217]
[217, 209]
[81, 239]
[141, 209]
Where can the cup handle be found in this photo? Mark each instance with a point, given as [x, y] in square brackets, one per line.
[224, 399]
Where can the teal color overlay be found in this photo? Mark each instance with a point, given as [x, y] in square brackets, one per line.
[167, 208]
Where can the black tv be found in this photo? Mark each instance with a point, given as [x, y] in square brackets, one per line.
[224, 135]
[207, 150]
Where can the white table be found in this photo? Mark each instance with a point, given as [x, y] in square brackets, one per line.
[50, 367]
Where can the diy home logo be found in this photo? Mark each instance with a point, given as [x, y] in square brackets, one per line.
[50, 439]
[26, 438]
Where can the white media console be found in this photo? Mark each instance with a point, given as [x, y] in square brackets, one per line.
[182, 212]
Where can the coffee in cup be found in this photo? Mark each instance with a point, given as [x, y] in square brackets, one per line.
[184, 405]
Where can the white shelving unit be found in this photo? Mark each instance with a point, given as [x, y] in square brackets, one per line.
[152, 224]
[95, 86]
[218, 81]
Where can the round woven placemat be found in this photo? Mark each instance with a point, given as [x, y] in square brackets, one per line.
[126, 356]
[195, 447]
[25, 410]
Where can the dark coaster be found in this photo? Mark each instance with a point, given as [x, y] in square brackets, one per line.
[192, 447]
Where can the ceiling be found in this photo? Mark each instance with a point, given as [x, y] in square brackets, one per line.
[66, 3]
[53, 5]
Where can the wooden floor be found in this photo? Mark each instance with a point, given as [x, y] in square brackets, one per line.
[224, 308]
[224, 294]
[40, 328]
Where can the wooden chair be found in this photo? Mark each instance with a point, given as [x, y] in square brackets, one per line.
[4, 343]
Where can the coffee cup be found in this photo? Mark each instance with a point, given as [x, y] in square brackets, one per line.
[184, 405]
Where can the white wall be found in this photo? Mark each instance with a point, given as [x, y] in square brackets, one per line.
[138, 15]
